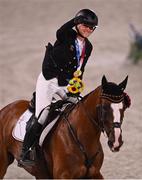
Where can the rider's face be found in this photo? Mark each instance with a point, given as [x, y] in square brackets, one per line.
[85, 30]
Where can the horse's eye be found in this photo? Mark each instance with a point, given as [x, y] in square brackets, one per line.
[106, 111]
[106, 108]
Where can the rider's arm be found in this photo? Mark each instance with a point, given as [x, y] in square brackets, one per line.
[64, 30]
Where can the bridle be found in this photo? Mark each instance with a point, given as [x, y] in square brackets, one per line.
[112, 99]
[100, 123]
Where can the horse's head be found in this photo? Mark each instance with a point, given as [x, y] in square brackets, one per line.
[111, 111]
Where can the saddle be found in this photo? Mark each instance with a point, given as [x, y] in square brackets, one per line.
[56, 109]
[55, 106]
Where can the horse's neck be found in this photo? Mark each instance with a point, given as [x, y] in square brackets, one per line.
[86, 115]
[92, 100]
[83, 119]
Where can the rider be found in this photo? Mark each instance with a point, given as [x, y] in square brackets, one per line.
[69, 53]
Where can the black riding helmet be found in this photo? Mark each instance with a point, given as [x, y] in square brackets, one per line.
[88, 17]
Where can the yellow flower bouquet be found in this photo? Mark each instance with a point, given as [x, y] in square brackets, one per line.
[75, 86]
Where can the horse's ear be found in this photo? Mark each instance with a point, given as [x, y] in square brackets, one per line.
[123, 84]
[104, 80]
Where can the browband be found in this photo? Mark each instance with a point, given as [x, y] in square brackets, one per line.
[113, 98]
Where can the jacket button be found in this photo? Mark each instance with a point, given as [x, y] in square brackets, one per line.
[61, 69]
[69, 62]
[74, 66]
[74, 57]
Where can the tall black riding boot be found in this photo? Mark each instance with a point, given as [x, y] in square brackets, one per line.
[32, 135]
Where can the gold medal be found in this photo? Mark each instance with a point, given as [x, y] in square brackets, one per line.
[77, 73]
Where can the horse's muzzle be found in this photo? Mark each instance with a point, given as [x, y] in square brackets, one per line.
[112, 148]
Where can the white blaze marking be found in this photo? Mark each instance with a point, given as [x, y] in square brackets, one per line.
[116, 113]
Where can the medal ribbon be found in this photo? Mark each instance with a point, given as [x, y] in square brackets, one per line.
[79, 58]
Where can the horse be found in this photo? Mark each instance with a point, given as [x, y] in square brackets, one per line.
[73, 149]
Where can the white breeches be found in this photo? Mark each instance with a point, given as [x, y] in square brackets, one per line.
[45, 90]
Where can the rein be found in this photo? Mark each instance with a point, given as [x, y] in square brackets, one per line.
[89, 161]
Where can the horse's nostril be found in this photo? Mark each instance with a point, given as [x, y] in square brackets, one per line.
[110, 143]
[121, 143]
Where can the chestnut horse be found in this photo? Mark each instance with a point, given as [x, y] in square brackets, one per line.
[73, 149]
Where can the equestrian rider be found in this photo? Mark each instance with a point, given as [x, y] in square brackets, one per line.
[69, 53]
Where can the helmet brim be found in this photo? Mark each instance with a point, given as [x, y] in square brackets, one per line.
[90, 24]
